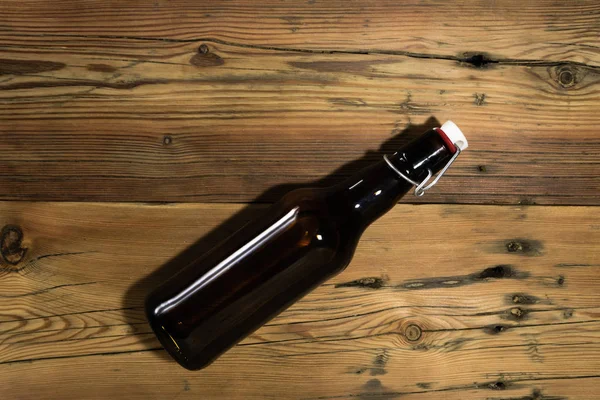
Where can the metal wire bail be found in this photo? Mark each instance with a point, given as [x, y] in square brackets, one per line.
[421, 188]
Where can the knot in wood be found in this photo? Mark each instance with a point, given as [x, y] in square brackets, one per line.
[413, 332]
[566, 77]
[11, 240]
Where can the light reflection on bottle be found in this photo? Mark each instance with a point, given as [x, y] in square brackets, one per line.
[356, 184]
[230, 261]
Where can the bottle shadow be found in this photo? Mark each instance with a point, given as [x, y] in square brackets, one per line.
[135, 295]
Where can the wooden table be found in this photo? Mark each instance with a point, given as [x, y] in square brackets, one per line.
[132, 129]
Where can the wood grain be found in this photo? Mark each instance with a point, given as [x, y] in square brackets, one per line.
[511, 30]
[507, 307]
[236, 101]
[118, 119]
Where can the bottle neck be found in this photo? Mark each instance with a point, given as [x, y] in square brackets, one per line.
[375, 190]
[430, 152]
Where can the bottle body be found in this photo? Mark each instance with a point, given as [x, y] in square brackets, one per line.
[301, 241]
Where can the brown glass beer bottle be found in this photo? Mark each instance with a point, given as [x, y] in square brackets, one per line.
[304, 239]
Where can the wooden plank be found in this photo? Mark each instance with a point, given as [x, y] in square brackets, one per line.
[96, 119]
[507, 307]
[513, 30]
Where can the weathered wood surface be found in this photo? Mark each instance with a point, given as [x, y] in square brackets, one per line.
[541, 30]
[507, 307]
[220, 102]
[239, 101]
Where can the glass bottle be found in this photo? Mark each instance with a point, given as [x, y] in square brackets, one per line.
[301, 241]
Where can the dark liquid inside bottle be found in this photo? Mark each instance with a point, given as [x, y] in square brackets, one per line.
[306, 238]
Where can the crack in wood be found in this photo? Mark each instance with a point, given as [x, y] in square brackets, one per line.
[131, 84]
[46, 290]
[421, 347]
[111, 353]
[512, 313]
[11, 335]
[477, 60]
[313, 353]
[89, 338]
[369, 283]
[502, 271]
[535, 395]
[520, 326]
[575, 265]
[470, 387]
[317, 339]
[34, 260]
[69, 314]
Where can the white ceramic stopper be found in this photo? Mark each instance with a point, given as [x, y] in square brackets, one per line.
[455, 135]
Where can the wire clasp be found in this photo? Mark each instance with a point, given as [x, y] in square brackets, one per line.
[424, 186]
